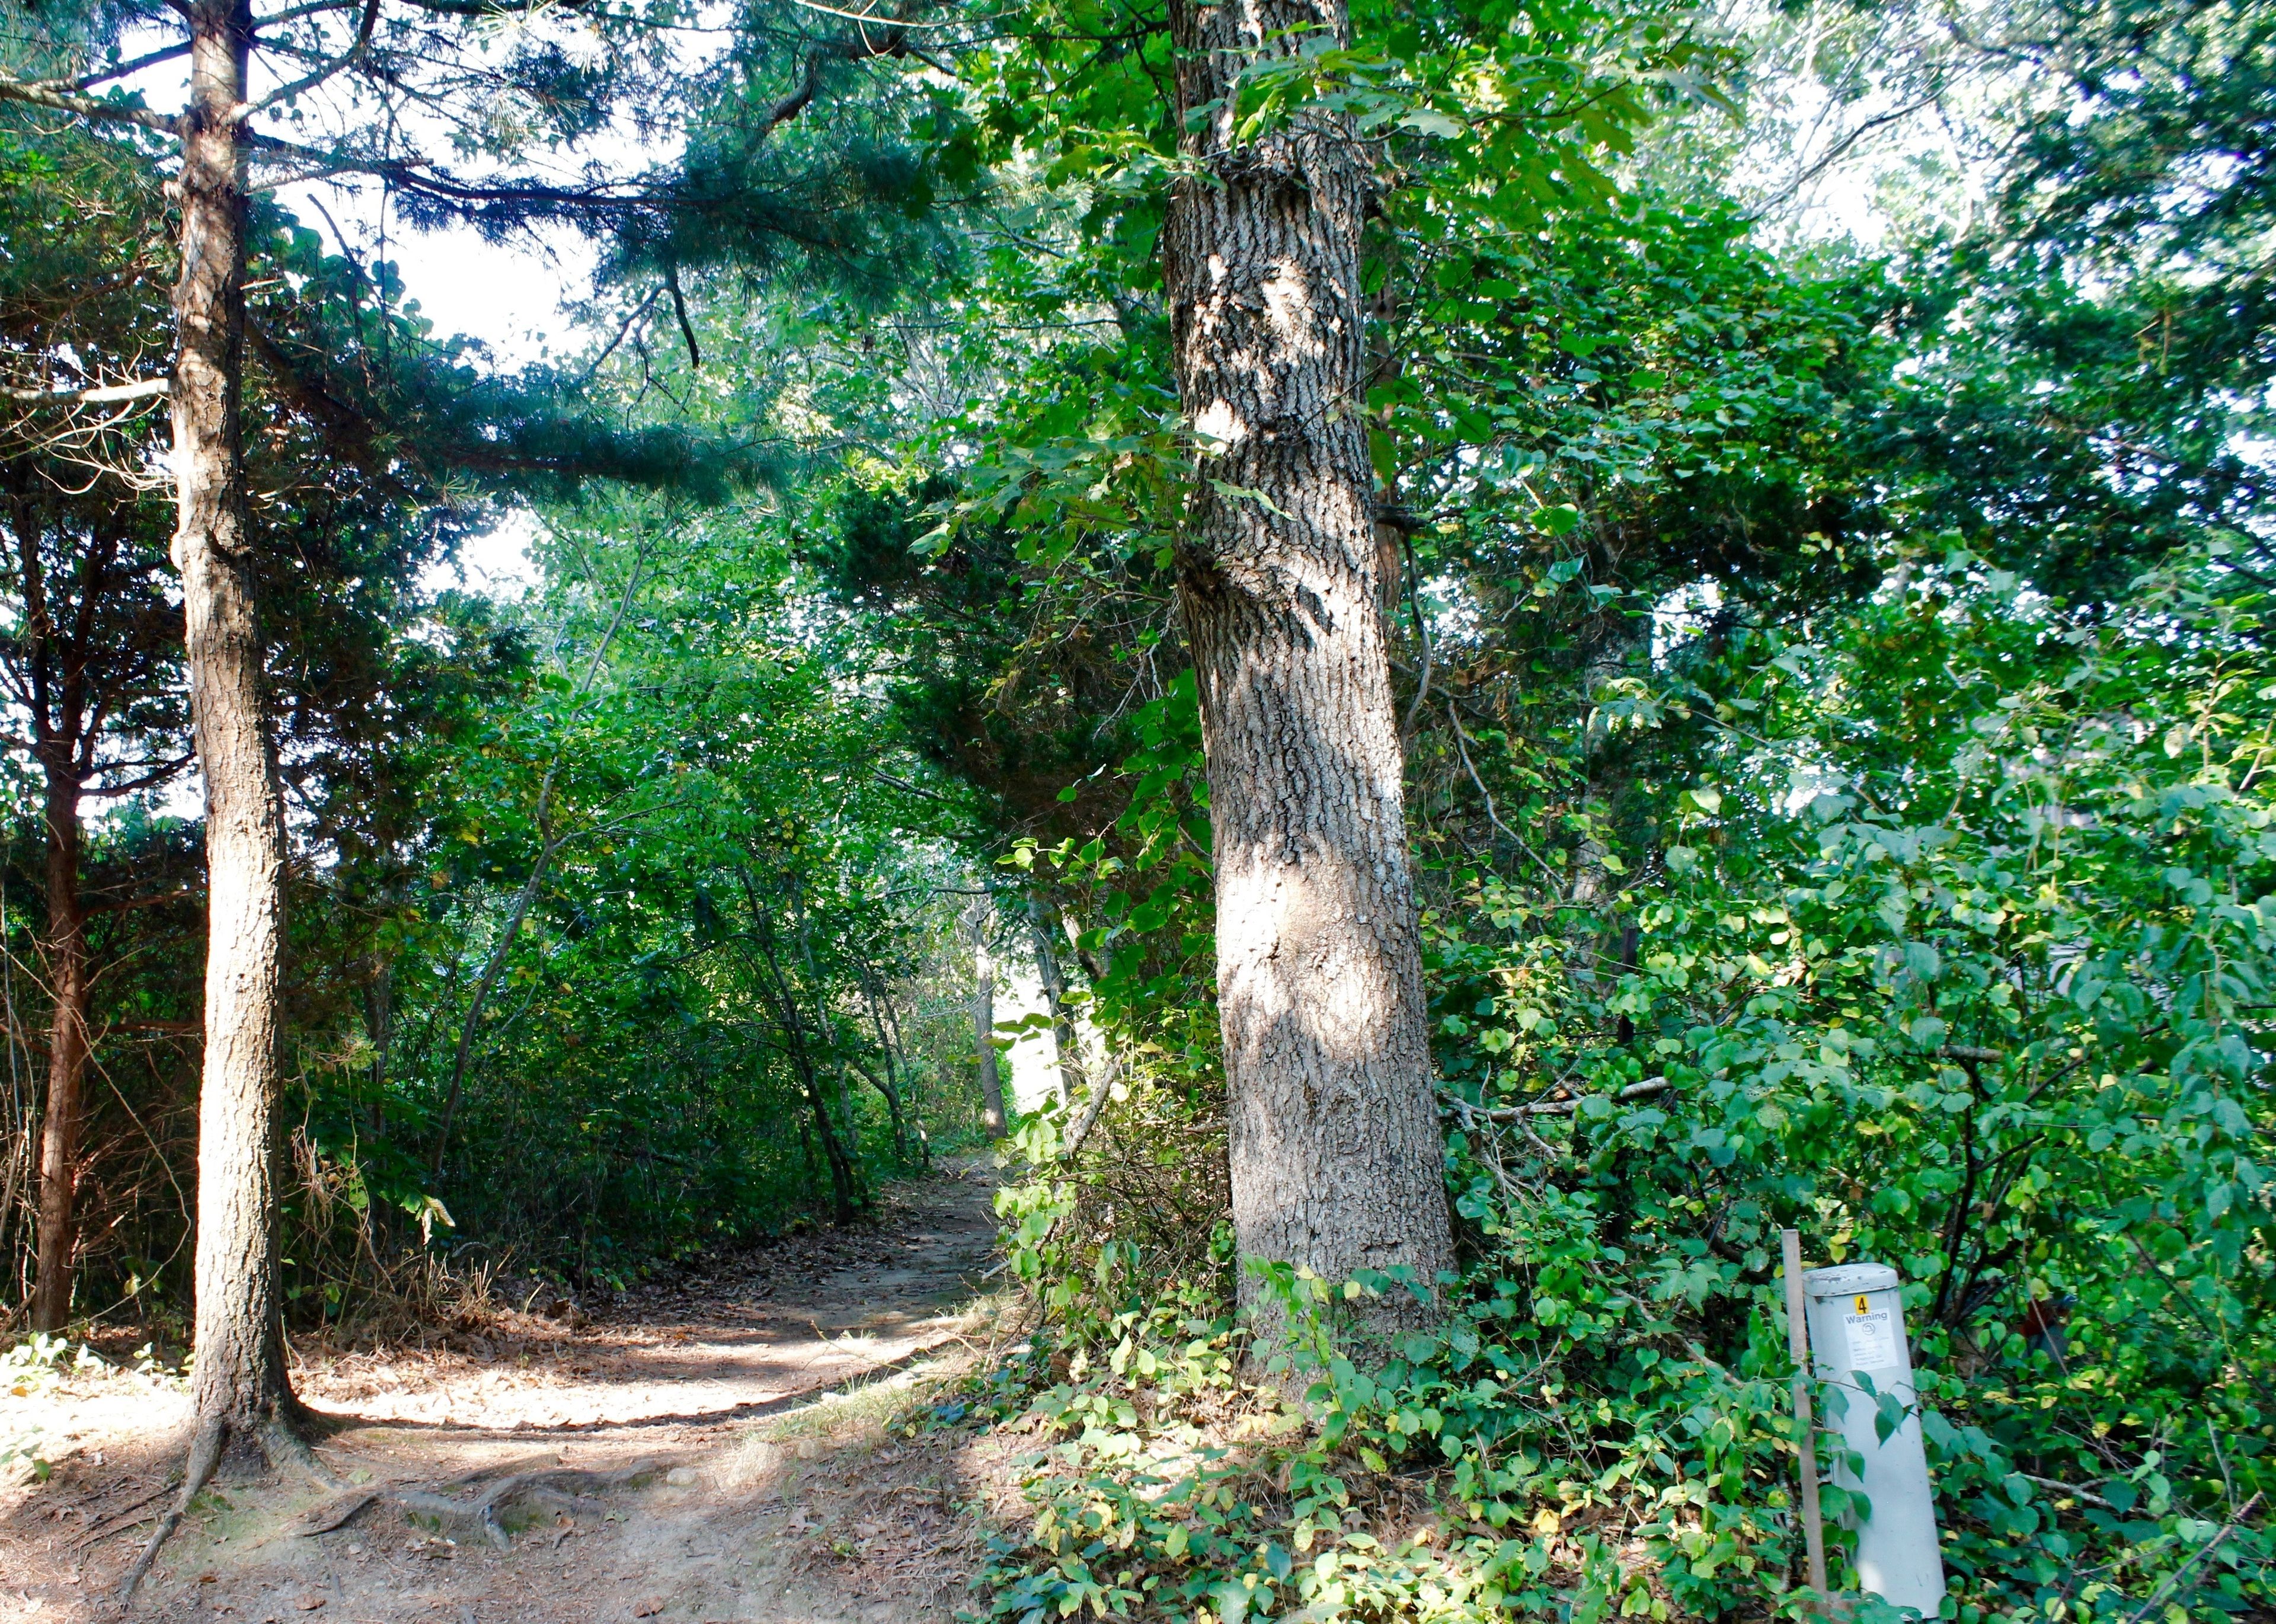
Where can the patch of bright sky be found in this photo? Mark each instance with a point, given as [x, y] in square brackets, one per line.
[1681, 614]
[496, 562]
[1033, 1058]
[513, 296]
[1860, 123]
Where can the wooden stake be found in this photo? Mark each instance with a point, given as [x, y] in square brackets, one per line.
[1797, 1341]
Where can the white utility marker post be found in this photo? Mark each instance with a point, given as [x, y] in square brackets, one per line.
[1857, 1324]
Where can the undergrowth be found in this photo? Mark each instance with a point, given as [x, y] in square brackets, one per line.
[1992, 1013]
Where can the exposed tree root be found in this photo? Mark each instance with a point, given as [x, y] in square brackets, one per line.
[554, 1488]
[125, 1517]
[278, 1441]
[205, 1455]
[288, 1449]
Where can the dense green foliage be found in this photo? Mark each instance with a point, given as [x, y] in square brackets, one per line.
[1845, 814]
[1835, 686]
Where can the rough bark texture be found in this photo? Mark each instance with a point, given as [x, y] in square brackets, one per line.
[53, 671]
[67, 1044]
[1333, 1135]
[239, 1380]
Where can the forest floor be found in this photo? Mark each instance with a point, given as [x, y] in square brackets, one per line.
[722, 1444]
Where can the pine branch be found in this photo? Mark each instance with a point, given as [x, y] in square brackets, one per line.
[39, 93]
[88, 81]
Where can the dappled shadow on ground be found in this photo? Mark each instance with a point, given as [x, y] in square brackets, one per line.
[758, 1507]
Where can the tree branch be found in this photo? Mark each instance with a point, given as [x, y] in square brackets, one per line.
[34, 93]
[88, 81]
[323, 70]
[103, 394]
[1546, 1108]
[131, 904]
[160, 771]
[679, 309]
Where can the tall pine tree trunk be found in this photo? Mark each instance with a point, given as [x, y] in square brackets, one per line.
[67, 1043]
[1333, 1136]
[241, 1381]
[239, 1392]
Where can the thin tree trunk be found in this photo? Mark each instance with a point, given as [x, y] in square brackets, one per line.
[548, 844]
[897, 1068]
[55, 675]
[826, 1027]
[992, 1115]
[1333, 1138]
[806, 1151]
[841, 1167]
[492, 968]
[379, 1023]
[890, 1084]
[766, 968]
[893, 1098]
[1596, 885]
[67, 1044]
[1066, 1044]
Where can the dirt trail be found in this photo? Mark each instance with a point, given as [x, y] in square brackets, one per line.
[736, 1495]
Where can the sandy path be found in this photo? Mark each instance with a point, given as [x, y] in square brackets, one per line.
[758, 1505]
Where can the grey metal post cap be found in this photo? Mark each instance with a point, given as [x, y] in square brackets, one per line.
[1849, 1279]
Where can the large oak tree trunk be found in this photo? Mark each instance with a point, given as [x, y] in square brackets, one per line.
[67, 1043]
[1333, 1135]
[240, 1383]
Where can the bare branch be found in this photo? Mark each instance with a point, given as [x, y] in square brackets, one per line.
[679, 308]
[105, 394]
[867, 17]
[158, 773]
[32, 92]
[88, 81]
[323, 70]
[1462, 748]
